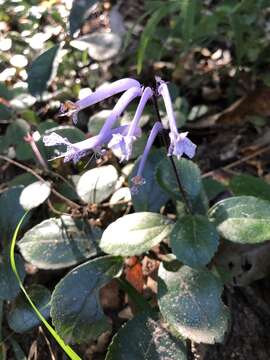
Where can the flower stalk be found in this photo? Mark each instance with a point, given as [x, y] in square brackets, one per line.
[177, 175]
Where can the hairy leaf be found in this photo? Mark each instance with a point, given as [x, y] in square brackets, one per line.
[56, 243]
[189, 300]
[76, 311]
[243, 219]
[150, 340]
[194, 240]
[134, 234]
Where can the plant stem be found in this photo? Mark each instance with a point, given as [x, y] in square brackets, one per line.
[177, 176]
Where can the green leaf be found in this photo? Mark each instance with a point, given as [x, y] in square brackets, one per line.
[242, 219]
[42, 71]
[68, 350]
[150, 197]
[189, 12]
[17, 131]
[17, 350]
[9, 287]
[22, 179]
[76, 311]
[22, 317]
[57, 243]
[213, 188]
[148, 34]
[250, 185]
[194, 240]
[188, 172]
[150, 340]
[11, 211]
[5, 112]
[97, 184]
[190, 302]
[78, 14]
[5, 93]
[35, 194]
[134, 234]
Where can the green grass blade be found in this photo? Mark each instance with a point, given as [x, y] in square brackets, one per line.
[67, 349]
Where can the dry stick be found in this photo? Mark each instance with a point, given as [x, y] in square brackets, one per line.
[237, 162]
[178, 180]
[31, 171]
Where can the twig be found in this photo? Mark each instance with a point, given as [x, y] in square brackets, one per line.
[31, 171]
[238, 162]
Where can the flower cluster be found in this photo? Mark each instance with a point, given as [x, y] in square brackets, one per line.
[121, 139]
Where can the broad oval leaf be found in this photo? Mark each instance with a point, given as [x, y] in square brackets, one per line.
[42, 70]
[189, 300]
[251, 186]
[9, 286]
[194, 240]
[242, 219]
[56, 243]
[78, 14]
[76, 311]
[150, 341]
[11, 211]
[35, 194]
[189, 173]
[150, 196]
[97, 184]
[22, 317]
[134, 234]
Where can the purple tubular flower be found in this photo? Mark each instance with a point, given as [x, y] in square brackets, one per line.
[102, 93]
[78, 150]
[120, 106]
[138, 180]
[122, 144]
[180, 144]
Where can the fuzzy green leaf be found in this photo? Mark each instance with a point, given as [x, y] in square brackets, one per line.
[190, 302]
[76, 311]
[134, 234]
[242, 219]
[194, 240]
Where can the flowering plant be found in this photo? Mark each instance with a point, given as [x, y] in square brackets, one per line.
[180, 244]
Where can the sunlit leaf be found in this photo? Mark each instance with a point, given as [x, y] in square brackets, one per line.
[134, 234]
[150, 340]
[59, 242]
[97, 184]
[35, 194]
[190, 301]
[243, 219]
